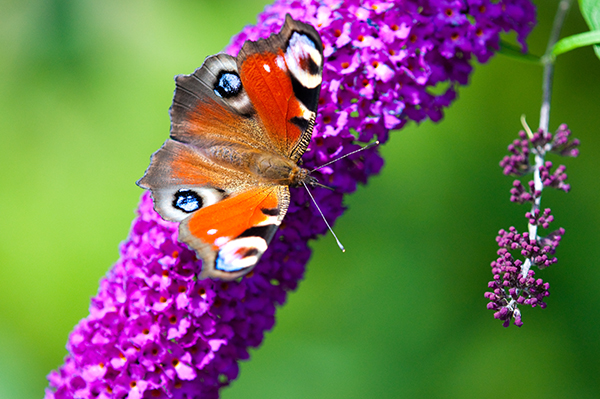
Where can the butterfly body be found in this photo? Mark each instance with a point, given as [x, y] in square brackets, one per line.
[239, 126]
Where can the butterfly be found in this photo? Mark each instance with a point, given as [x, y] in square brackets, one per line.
[239, 126]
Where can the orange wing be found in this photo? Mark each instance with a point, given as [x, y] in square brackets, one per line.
[282, 78]
[231, 235]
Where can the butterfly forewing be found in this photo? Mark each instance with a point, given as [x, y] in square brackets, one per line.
[211, 105]
[282, 78]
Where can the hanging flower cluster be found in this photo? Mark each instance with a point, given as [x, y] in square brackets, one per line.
[514, 283]
[154, 330]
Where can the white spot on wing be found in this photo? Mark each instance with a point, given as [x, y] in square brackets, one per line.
[231, 255]
[211, 232]
[301, 49]
[306, 113]
[281, 63]
[221, 241]
[267, 67]
[270, 220]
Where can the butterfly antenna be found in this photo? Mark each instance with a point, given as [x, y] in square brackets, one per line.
[370, 145]
[317, 184]
[323, 216]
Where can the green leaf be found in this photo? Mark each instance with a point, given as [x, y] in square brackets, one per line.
[590, 9]
[513, 51]
[572, 42]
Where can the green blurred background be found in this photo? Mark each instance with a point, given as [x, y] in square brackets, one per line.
[84, 91]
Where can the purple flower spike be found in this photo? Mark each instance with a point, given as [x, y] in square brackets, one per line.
[511, 289]
[513, 283]
[155, 330]
[384, 58]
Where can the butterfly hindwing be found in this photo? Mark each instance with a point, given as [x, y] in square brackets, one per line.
[231, 235]
[238, 127]
[178, 172]
[226, 219]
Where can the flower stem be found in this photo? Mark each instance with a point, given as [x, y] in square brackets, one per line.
[548, 62]
[548, 74]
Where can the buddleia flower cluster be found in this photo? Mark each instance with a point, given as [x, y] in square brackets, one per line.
[155, 330]
[514, 282]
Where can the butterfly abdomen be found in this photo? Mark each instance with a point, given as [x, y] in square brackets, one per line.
[265, 167]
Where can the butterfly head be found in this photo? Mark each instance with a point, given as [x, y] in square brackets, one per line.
[299, 176]
[303, 177]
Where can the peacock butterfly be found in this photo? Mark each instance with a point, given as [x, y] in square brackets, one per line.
[239, 126]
